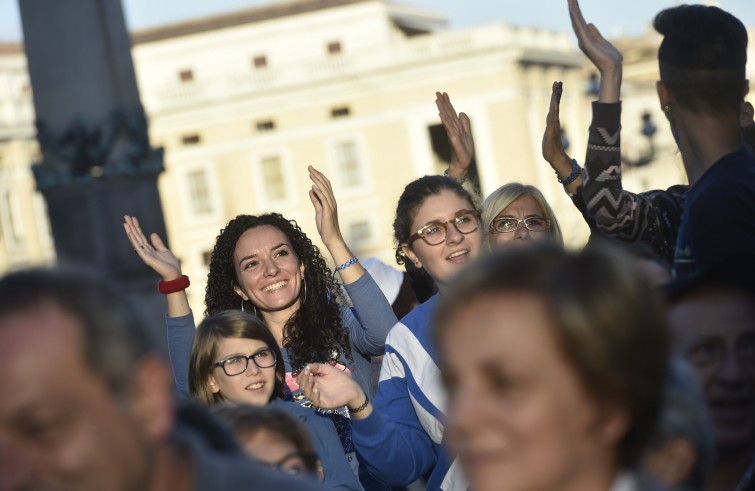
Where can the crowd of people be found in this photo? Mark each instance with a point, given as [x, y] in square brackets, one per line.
[499, 360]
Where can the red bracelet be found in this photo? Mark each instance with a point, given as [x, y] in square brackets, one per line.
[173, 286]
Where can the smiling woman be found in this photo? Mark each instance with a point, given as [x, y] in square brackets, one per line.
[266, 265]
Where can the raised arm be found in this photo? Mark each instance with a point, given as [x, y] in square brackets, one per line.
[553, 147]
[652, 217]
[155, 255]
[179, 321]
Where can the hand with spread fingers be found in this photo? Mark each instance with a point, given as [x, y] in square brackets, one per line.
[161, 260]
[459, 131]
[604, 55]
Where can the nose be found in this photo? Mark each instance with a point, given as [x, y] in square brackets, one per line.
[453, 236]
[730, 372]
[252, 368]
[271, 268]
[522, 232]
[462, 412]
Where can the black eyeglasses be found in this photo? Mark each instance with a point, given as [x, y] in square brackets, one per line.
[505, 225]
[434, 233]
[236, 365]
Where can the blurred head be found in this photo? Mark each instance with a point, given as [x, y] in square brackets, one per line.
[436, 227]
[274, 437]
[702, 59]
[681, 450]
[266, 263]
[713, 321]
[89, 400]
[554, 363]
[518, 214]
[234, 357]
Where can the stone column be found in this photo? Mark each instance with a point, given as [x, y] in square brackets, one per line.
[97, 163]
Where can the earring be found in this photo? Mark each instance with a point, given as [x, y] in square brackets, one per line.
[305, 290]
[666, 108]
[242, 304]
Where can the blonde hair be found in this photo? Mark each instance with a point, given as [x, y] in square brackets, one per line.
[502, 197]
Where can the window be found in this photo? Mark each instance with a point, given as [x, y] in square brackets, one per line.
[348, 164]
[199, 192]
[192, 139]
[340, 112]
[266, 125]
[272, 175]
[334, 47]
[359, 234]
[186, 76]
[259, 61]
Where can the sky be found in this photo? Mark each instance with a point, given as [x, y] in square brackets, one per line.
[613, 17]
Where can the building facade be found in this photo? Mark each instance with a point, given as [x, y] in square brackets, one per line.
[242, 103]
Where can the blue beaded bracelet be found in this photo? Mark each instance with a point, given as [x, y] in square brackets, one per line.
[576, 170]
[337, 269]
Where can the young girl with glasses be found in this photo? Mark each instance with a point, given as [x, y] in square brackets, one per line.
[234, 359]
[401, 435]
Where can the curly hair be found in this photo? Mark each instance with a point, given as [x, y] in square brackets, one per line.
[314, 333]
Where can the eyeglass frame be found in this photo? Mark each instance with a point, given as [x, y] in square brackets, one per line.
[222, 363]
[419, 233]
[518, 221]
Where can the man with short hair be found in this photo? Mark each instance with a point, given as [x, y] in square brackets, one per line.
[87, 401]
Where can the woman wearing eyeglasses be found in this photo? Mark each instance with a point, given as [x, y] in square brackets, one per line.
[517, 214]
[234, 358]
[400, 436]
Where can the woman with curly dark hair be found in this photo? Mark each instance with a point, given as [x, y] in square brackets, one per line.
[267, 265]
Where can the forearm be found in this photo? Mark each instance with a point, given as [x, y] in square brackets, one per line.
[341, 255]
[610, 85]
[371, 318]
[180, 338]
[563, 165]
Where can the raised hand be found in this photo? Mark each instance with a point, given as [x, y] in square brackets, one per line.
[604, 55]
[326, 210]
[326, 219]
[154, 254]
[459, 131]
[328, 387]
[553, 147]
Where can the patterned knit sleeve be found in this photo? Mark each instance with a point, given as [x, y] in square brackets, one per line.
[652, 217]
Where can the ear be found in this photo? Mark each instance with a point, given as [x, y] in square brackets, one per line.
[746, 115]
[240, 292]
[613, 424]
[213, 384]
[150, 402]
[301, 270]
[410, 255]
[663, 94]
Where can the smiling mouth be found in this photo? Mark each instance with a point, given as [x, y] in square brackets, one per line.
[255, 386]
[275, 286]
[458, 254]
